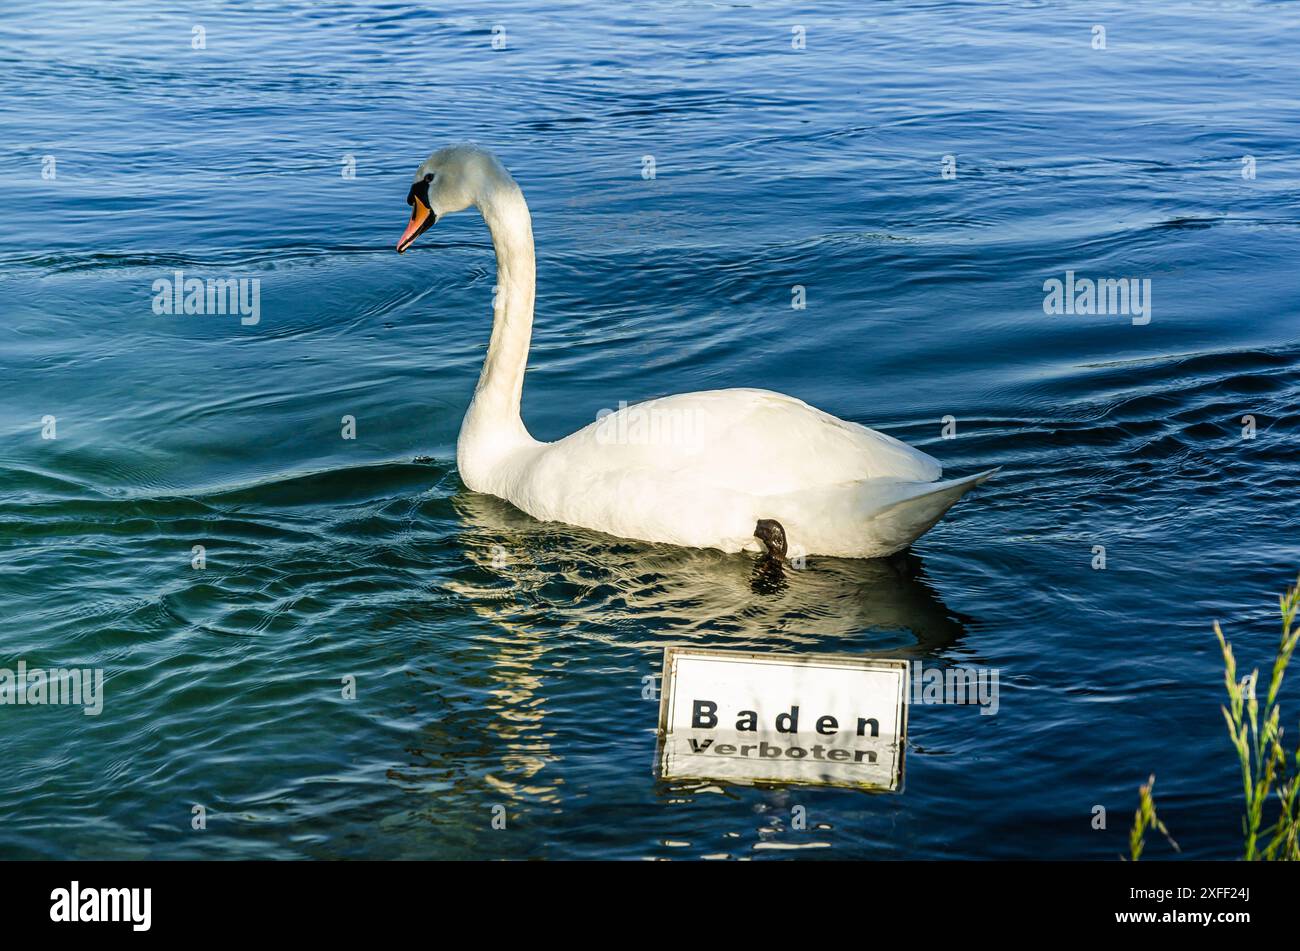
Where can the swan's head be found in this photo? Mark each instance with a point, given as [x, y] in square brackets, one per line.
[448, 181]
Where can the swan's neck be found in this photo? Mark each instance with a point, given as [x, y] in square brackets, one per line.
[492, 425]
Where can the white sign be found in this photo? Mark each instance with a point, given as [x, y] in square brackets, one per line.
[782, 718]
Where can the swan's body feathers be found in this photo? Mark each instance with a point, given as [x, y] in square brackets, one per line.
[701, 469]
[746, 440]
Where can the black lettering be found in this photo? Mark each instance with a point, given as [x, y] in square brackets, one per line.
[701, 709]
[791, 718]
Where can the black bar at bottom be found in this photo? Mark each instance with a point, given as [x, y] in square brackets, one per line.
[394, 900]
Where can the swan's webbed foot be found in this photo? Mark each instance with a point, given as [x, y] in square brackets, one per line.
[769, 570]
[770, 532]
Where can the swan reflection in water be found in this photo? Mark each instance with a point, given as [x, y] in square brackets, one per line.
[640, 595]
[554, 598]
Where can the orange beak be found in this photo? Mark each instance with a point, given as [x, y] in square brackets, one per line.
[421, 219]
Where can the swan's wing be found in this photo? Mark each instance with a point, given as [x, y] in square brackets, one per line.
[744, 440]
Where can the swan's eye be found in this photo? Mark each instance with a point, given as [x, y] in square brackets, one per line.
[420, 190]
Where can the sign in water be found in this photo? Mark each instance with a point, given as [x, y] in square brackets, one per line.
[782, 718]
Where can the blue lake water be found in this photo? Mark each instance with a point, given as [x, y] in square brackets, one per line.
[499, 661]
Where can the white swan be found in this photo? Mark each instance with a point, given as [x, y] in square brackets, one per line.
[735, 470]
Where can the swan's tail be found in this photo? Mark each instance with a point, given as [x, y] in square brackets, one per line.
[902, 521]
[870, 518]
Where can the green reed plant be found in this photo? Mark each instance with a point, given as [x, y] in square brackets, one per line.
[1146, 818]
[1256, 735]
